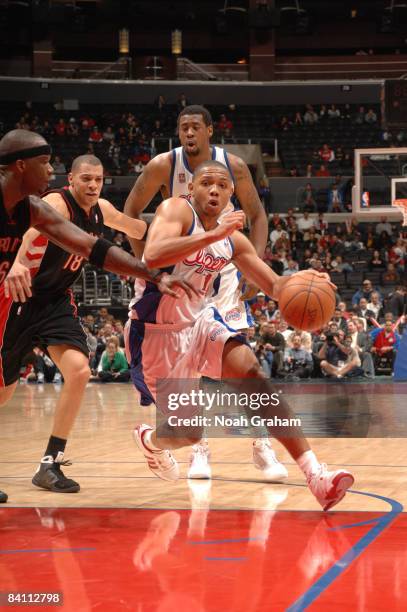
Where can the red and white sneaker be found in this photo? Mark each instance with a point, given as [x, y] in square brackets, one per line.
[264, 459]
[330, 487]
[199, 466]
[161, 463]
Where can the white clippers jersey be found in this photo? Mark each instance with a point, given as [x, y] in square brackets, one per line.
[181, 174]
[226, 294]
[200, 269]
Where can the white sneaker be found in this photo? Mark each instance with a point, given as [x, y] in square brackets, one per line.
[40, 378]
[199, 461]
[329, 487]
[161, 463]
[264, 459]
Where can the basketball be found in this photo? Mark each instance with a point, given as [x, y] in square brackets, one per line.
[307, 301]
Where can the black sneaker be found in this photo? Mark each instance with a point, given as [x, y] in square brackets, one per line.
[50, 476]
[3, 497]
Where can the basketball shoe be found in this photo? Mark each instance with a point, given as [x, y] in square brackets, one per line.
[199, 461]
[329, 487]
[160, 462]
[264, 459]
[50, 476]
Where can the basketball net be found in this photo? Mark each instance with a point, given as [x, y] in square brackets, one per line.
[402, 205]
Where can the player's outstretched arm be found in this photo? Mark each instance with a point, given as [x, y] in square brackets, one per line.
[155, 174]
[133, 228]
[98, 251]
[168, 241]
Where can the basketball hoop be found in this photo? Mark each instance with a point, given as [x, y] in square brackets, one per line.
[402, 205]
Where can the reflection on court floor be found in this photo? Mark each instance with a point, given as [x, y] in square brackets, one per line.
[202, 560]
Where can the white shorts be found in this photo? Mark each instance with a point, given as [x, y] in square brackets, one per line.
[226, 299]
[178, 351]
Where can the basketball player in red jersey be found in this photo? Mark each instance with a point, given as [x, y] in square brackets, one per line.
[171, 173]
[25, 170]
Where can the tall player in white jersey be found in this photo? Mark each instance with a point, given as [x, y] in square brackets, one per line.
[169, 338]
[171, 173]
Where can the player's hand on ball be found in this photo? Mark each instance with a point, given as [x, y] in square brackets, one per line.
[322, 275]
[18, 283]
[228, 224]
[169, 284]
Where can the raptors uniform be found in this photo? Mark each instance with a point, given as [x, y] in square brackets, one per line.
[49, 318]
[226, 294]
[169, 338]
[12, 230]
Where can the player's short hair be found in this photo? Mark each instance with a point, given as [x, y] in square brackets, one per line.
[92, 160]
[211, 163]
[195, 109]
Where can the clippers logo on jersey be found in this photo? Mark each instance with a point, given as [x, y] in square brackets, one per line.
[233, 315]
[206, 262]
[181, 177]
[218, 331]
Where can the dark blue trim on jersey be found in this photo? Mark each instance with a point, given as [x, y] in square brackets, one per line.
[232, 245]
[229, 166]
[185, 161]
[136, 337]
[191, 229]
[173, 162]
[216, 285]
[213, 153]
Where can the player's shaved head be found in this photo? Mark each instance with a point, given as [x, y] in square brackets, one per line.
[211, 164]
[91, 160]
[19, 140]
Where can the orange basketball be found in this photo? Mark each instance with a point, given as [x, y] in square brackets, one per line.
[307, 301]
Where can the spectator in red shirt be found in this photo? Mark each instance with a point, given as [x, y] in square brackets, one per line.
[385, 343]
[95, 135]
[260, 303]
[60, 127]
[225, 123]
[322, 171]
[326, 154]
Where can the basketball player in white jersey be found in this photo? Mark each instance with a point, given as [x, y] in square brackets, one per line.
[169, 338]
[171, 173]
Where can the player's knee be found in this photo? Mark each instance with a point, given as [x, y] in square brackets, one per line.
[78, 375]
[323, 364]
[84, 373]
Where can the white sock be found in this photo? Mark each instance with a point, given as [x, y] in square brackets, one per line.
[148, 443]
[308, 463]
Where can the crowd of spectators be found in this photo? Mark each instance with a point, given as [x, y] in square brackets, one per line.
[363, 336]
